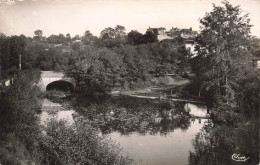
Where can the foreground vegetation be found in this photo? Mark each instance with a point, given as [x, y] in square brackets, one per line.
[24, 140]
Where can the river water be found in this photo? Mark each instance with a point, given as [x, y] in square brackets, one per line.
[152, 132]
[149, 131]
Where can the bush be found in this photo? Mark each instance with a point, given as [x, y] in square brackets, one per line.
[80, 144]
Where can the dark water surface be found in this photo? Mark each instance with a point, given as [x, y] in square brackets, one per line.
[154, 132]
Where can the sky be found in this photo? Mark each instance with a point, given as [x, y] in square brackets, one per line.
[76, 16]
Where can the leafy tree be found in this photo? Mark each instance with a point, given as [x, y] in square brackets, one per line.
[88, 38]
[119, 31]
[87, 33]
[150, 37]
[2, 35]
[57, 39]
[107, 33]
[224, 54]
[68, 36]
[99, 68]
[134, 37]
[111, 37]
[76, 37]
[38, 34]
[11, 48]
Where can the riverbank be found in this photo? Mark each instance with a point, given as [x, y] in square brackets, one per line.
[171, 86]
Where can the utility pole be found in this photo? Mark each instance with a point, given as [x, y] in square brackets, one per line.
[20, 62]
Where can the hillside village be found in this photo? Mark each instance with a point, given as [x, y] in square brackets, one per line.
[187, 34]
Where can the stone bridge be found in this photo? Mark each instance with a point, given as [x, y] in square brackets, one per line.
[56, 80]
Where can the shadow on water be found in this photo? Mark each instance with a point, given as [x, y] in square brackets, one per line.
[152, 131]
[127, 114]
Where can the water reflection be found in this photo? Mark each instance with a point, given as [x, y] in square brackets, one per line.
[144, 116]
[150, 131]
[219, 144]
[155, 132]
[52, 110]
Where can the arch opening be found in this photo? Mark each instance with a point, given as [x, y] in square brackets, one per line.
[60, 85]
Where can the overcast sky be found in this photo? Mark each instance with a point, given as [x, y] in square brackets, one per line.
[76, 16]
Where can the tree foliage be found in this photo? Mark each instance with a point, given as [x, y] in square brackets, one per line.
[117, 32]
[225, 52]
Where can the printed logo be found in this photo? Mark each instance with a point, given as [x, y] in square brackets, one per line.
[238, 158]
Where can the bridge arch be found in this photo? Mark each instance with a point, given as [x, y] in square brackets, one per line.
[51, 80]
[61, 85]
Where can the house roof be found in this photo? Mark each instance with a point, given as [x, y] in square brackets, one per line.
[161, 28]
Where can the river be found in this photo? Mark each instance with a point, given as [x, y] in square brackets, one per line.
[150, 131]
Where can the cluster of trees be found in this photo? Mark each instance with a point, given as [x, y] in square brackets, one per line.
[224, 63]
[34, 53]
[115, 59]
[136, 38]
[128, 66]
[226, 73]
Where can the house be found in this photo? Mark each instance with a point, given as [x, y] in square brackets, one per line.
[174, 32]
[190, 46]
[184, 33]
[188, 33]
[161, 31]
[153, 30]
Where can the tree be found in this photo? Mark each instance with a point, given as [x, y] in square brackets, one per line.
[76, 37]
[107, 33]
[2, 35]
[119, 31]
[38, 34]
[68, 36]
[224, 54]
[87, 33]
[134, 37]
[88, 38]
[100, 68]
[11, 48]
[68, 39]
[150, 37]
[57, 39]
